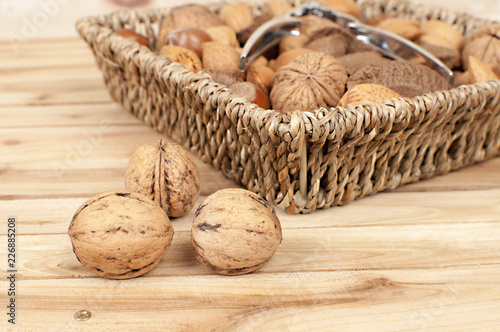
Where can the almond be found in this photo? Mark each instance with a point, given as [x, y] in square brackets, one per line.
[443, 30]
[278, 7]
[261, 76]
[406, 28]
[345, 6]
[288, 56]
[480, 71]
[364, 94]
[238, 15]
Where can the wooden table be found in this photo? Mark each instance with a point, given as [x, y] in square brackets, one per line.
[424, 256]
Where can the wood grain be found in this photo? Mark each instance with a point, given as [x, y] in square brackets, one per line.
[424, 256]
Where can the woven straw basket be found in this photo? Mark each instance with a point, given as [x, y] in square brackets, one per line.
[300, 161]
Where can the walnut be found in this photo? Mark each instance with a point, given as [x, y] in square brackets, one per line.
[311, 81]
[120, 234]
[235, 231]
[182, 55]
[484, 44]
[165, 173]
[407, 78]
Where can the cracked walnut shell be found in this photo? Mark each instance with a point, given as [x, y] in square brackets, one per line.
[120, 234]
[235, 231]
[165, 173]
[311, 81]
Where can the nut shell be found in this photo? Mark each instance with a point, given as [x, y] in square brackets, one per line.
[311, 81]
[165, 173]
[237, 15]
[235, 231]
[364, 94]
[182, 55]
[405, 77]
[120, 234]
[479, 71]
[220, 57]
[484, 45]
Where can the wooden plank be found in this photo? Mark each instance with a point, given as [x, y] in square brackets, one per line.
[51, 215]
[55, 115]
[342, 300]
[42, 74]
[338, 247]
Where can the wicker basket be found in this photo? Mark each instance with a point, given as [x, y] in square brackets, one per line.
[301, 161]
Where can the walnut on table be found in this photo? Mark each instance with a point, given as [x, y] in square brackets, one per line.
[165, 173]
[120, 234]
[235, 231]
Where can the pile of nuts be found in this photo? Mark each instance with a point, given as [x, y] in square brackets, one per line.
[324, 66]
[125, 233]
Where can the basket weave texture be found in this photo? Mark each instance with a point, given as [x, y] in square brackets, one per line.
[300, 161]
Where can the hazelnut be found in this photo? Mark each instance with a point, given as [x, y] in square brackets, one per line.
[191, 38]
[311, 81]
[130, 34]
[221, 57]
[120, 234]
[167, 174]
[182, 55]
[238, 15]
[251, 92]
[235, 231]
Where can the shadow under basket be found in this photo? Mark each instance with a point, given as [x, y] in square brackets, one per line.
[300, 161]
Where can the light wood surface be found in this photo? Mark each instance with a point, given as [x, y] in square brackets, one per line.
[425, 256]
